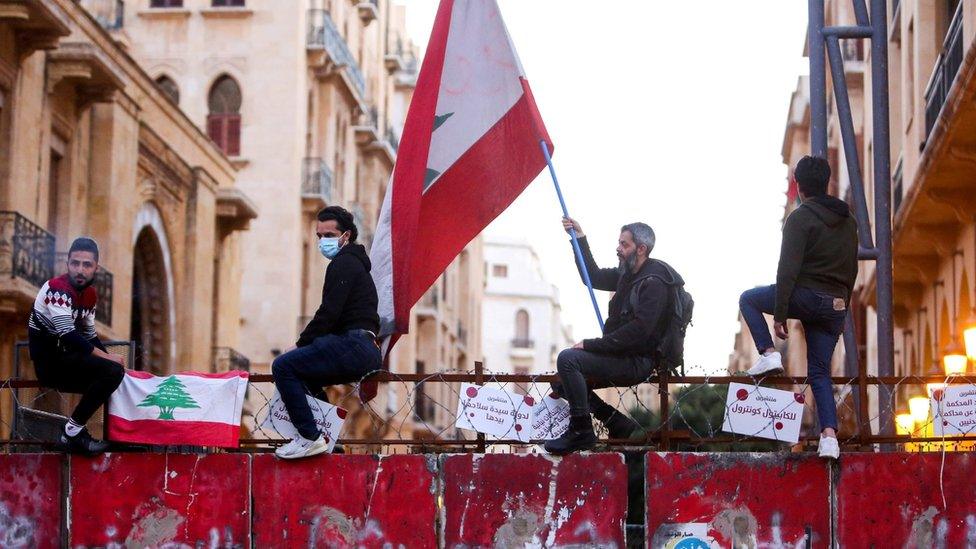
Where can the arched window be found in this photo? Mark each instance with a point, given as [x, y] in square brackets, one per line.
[169, 88]
[224, 120]
[522, 330]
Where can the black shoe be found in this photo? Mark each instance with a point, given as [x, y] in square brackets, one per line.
[83, 443]
[572, 441]
[620, 426]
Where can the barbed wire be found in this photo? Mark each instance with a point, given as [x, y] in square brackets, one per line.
[418, 412]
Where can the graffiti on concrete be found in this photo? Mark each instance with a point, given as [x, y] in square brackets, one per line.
[15, 531]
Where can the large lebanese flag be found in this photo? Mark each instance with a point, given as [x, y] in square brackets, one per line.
[470, 146]
[189, 408]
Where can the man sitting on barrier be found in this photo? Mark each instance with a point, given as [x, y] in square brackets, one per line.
[339, 344]
[814, 281]
[65, 349]
[626, 355]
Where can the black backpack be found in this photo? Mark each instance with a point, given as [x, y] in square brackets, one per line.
[670, 352]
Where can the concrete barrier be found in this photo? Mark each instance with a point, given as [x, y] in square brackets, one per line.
[742, 499]
[240, 501]
[906, 500]
[148, 500]
[30, 500]
[341, 501]
[531, 500]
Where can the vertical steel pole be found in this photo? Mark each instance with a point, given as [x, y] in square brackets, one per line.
[882, 206]
[818, 80]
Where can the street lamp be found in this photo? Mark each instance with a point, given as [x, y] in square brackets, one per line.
[904, 424]
[918, 407]
[954, 361]
[969, 336]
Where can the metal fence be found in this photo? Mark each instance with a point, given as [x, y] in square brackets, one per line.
[323, 33]
[26, 250]
[416, 412]
[31, 415]
[944, 74]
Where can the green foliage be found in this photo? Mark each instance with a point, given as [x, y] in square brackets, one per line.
[700, 409]
[170, 395]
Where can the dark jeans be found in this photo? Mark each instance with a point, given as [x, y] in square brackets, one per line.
[822, 326]
[94, 378]
[582, 371]
[329, 360]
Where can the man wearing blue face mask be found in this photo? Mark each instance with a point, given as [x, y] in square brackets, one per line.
[339, 344]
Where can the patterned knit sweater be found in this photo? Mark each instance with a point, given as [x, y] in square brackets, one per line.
[65, 315]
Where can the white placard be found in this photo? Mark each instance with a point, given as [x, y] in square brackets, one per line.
[763, 412]
[494, 412]
[550, 418]
[329, 419]
[686, 535]
[954, 410]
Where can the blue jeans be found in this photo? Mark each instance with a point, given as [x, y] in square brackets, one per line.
[329, 360]
[822, 326]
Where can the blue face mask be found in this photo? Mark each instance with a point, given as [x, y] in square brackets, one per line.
[329, 246]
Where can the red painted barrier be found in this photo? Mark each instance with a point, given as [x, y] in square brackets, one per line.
[896, 500]
[753, 500]
[148, 500]
[338, 501]
[514, 500]
[30, 500]
[744, 500]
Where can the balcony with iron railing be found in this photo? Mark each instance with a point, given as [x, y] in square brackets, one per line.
[428, 304]
[324, 35]
[897, 188]
[26, 252]
[368, 10]
[104, 285]
[316, 181]
[226, 359]
[110, 14]
[367, 127]
[392, 139]
[523, 343]
[944, 74]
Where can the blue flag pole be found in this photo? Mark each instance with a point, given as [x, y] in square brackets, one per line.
[572, 234]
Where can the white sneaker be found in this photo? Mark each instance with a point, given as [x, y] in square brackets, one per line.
[829, 448]
[767, 364]
[301, 447]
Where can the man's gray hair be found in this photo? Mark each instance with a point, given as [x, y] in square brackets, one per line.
[642, 234]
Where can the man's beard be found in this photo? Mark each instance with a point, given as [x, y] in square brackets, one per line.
[628, 262]
[83, 285]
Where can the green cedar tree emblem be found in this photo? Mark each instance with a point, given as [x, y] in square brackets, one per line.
[170, 395]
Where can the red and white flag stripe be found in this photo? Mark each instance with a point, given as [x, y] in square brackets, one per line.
[189, 408]
[470, 146]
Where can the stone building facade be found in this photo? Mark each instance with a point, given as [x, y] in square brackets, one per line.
[308, 100]
[932, 80]
[90, 145]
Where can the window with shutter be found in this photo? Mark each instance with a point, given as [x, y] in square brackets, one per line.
[224, 120]
[228, 3]
[165, 3]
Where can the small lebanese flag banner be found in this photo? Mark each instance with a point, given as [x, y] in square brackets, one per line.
[190, 408]
[470, 146]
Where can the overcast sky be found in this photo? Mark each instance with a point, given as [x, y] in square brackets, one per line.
[671, 113]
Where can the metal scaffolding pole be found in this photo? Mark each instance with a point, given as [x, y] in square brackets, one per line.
[824, 43]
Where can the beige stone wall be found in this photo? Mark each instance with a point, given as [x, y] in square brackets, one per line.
[304, 113]
[91, 147]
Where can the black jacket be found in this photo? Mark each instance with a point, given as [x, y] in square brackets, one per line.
[819, 251]
[348, 297]
[626, 332]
